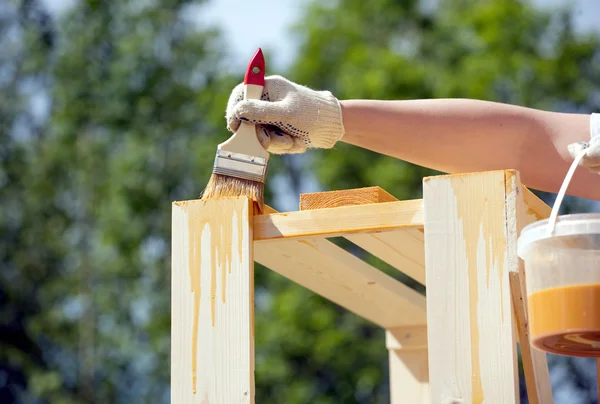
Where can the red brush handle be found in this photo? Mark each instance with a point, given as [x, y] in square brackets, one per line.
[255, 73]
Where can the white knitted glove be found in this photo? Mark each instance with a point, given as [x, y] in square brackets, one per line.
[289, 117]
[591, 159]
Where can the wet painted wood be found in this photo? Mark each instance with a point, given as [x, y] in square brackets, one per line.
[212, 330]
[471, 334]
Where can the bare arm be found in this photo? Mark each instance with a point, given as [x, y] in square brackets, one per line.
[461, 135]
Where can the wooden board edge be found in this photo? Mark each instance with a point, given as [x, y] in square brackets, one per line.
[345, 197]
[333, 222]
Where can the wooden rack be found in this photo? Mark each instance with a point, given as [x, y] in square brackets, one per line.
[458, 345]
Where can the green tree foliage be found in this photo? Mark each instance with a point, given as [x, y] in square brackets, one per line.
[133, 95]
[114, 111]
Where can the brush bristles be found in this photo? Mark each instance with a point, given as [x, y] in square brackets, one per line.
[222, 186]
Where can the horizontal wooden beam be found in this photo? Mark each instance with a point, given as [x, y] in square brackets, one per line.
[332, 272]
[340, 221]
[357, 219]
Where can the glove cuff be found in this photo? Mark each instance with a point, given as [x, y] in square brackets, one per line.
[330, 124]
[591, 159]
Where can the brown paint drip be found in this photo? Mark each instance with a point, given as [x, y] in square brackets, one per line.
[474, 221]
[214, 217]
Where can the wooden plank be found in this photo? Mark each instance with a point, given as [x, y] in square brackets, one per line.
[403, 249]
[535, 368]
[409, 373]
[409, 369]
[345, 197]
[212, 344]
[341, 221]
[413, 338]
[346, 280]
[536, 209]
[472, 340]
[523, 207]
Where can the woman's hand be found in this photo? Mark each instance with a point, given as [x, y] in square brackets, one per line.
[289, 117]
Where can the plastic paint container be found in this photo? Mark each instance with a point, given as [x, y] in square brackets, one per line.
[562, 270]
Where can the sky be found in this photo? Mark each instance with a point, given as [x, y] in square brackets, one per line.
[253, 24]
[266, 23]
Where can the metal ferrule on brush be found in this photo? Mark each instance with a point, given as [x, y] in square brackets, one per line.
[240, 166]
[242, 155]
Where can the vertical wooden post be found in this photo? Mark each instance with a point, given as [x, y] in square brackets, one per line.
[471, 335]
[409, 370]
[535, 364]
[212, 343]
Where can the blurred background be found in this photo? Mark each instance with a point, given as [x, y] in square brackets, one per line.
[110, 110]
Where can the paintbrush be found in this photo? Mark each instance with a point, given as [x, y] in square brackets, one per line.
[241, 163]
